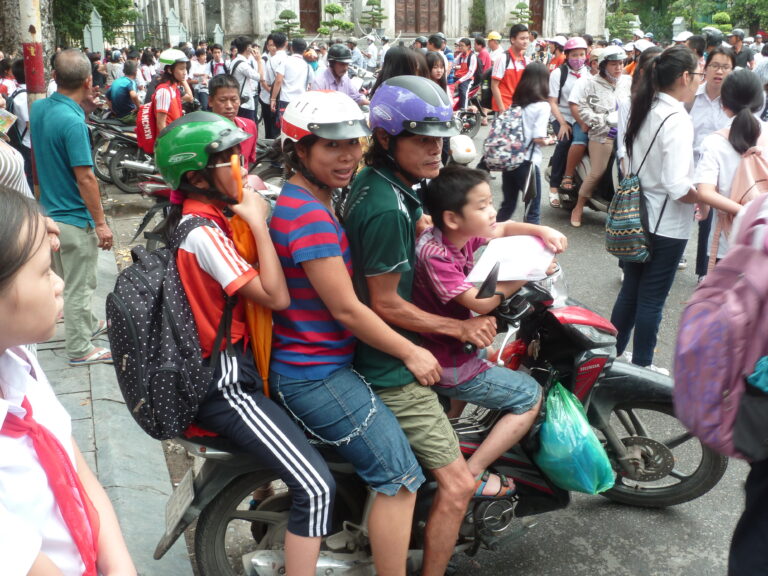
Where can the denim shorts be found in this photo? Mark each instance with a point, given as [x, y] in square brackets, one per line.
[579, 136]
[497, 388]
[342, 411]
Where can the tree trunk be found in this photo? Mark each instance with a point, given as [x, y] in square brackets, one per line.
[10, 34]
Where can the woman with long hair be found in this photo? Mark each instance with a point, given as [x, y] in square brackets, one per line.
[532, 95]
[742, 98]
[401, 61]
[660, 138]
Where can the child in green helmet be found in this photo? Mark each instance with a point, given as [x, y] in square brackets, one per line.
[195, 157]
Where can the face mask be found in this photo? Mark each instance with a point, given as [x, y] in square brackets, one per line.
[612, 79]
[576, 63]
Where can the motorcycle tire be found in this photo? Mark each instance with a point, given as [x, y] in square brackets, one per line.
[696, 468]
[470, 122]
[126, 180]
[100, 155]
[226, 528]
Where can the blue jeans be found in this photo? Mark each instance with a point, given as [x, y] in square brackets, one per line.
[640, 302]
[497, 389]
[342, 411]
[512, 184]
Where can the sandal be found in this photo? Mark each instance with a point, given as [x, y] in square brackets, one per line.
[97, 356]
[554, 200]
[567, 180]
[100, 330]
[506, 489]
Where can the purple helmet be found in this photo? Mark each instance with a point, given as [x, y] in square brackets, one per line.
[413, 104]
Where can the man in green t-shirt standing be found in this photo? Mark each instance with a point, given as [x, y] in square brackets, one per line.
[409, 118]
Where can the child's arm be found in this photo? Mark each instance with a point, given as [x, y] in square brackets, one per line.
[553, 240]
[113, 558]
[269, 287]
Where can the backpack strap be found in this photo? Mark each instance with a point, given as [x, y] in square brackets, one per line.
[637, 172]
[563, 79]
[242, 86]
[224, 330]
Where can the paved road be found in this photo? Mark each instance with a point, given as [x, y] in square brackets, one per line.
[594, 536]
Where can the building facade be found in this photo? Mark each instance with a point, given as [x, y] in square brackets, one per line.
[191, 20]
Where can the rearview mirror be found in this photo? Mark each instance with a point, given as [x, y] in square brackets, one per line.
[488, 287]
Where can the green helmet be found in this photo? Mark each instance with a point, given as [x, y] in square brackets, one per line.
[186, 144]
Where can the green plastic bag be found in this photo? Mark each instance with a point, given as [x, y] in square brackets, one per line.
[570, 454]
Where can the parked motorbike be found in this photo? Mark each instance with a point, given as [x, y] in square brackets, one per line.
[603, 193]
[471, 116]
[104, 142]
[269, 162]
[657, 462]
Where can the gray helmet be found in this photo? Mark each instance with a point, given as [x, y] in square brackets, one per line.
[422, 40]
[738, 32]
[339, 53]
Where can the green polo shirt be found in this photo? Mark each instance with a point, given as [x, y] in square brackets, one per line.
[61, 142]
[380, 218]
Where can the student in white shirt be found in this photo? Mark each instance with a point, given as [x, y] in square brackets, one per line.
[55, 518]
[742, 97]
[666, 177]
[246, 74]
[200, 73]
[708, 116]
[293, 75]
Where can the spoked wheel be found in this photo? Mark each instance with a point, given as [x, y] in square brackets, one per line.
[124, 178]
[100, 154]
[671, 465]
[470, 122]
[228, 529]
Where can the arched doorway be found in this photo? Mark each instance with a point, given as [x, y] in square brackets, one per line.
[418, 16]
[309, 15]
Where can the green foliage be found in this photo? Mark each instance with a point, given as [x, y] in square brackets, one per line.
[520, 15]
[477, 16]
[620, 25]
[691, 11]
[332, 24]
[374, 15]
[751, 15]
[288, 24]
[71, 16]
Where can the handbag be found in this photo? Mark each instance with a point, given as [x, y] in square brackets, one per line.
[626, 229]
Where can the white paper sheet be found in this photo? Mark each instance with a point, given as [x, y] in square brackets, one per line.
[521, 257]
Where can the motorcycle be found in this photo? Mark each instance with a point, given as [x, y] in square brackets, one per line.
[656, 461]
[471, 116]
[269, 162]
[104, 142]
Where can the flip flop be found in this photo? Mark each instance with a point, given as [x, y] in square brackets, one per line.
[506, 489]
[100, 330]
[97, 356]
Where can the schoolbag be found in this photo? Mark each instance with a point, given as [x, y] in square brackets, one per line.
[154, 340]
[504, 148]
[477, 77]
[749, 181]
[16, 133]
[722, 335]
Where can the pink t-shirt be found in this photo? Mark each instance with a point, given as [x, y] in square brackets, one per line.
[441, 275]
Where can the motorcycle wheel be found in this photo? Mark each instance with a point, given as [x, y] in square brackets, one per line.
[125, 179]
[678, 467]
[100, 155]
[227, 528]
[470, 122]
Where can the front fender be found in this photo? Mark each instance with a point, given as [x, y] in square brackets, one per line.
[628, 384]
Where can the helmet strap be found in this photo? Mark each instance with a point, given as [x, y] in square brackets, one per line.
[412, 178]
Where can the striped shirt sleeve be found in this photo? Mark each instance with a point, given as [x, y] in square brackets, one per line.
[216, 255]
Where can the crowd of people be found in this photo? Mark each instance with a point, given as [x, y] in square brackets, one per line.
[370, 301]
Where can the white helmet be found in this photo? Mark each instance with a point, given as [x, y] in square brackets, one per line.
[463, 149]
[612, 54]
[330, 115]
[172, 56]
[643, 45]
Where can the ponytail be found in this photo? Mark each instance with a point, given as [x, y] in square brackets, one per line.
[742, 93]
[660, 74]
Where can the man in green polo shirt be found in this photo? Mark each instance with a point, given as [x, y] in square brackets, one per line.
[409, 118]
[69, 193]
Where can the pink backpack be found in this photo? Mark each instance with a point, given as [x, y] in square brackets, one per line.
[723, 333]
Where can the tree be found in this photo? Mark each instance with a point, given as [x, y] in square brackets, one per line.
[722, 21]
[750, 14]
[71, 16]
[10, 32]
[692, 11]
[288, 24]
[334, 23]
[620, 24]
[477, 16]
[520, 15]
[374, 16]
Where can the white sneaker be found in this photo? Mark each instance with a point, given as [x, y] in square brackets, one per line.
[626, 357]
[662, 371]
